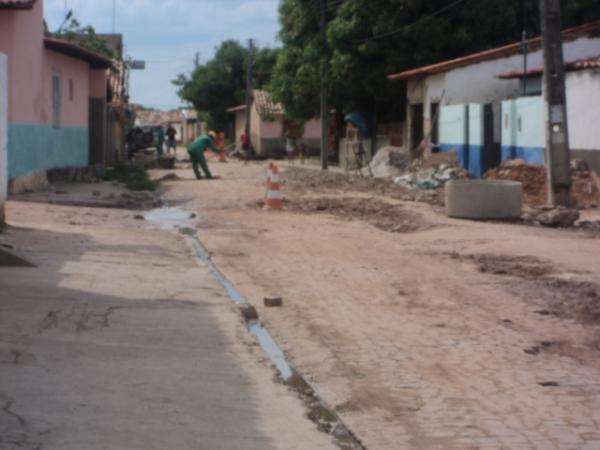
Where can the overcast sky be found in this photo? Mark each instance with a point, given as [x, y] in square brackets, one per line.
[168, 33]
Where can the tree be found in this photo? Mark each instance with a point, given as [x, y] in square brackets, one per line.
[219, 84]
[84, 36]
[369, 39]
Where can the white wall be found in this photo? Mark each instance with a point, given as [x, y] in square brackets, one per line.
[583, 109]
[3, 133]
[478, 83]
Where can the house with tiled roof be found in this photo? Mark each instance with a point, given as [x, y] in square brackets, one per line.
[268, 126]
[483, 107]
[51, 84]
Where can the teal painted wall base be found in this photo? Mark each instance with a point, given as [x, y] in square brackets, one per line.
[36, 148]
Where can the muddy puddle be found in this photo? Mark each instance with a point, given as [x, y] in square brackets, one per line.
[170, 218]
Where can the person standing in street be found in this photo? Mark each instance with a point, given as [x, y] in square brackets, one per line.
[171, 142]
[246, 146]
[161, 140]
[196, 151]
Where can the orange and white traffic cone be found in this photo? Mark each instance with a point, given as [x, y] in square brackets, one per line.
[274, 198]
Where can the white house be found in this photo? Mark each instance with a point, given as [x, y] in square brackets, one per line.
[473, 79]
[582, 82]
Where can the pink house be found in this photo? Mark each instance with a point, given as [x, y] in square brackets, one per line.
[268, 126]
[51, 84]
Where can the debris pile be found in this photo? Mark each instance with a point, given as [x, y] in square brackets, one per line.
[385, 216]
[390, 162]
[531, 176]
[585, 187]
[302, 181]
[422, 175]
[551, 217]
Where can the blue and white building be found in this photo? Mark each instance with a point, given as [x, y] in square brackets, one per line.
[474, 104]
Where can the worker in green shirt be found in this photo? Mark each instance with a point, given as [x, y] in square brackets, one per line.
[196, 151]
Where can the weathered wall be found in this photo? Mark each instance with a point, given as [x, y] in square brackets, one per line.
[33, 144]
[523, 134]
[3, 133]
[478, 83]
[97, 83]
[271, 129]
[75, 110]
[312, 129]
[583, 100]
[22, 40]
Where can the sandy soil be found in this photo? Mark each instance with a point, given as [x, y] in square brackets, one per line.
[446, 335]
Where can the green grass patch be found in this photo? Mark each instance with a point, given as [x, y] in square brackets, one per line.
[135, 177]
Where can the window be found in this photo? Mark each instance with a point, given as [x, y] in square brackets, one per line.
[71, 90]
[56, 101]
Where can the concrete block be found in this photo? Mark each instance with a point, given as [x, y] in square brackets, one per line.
[273, 302]
[484, 199]
[248, 312]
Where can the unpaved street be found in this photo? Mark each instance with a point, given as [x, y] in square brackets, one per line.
[423, 332]
[120, 339]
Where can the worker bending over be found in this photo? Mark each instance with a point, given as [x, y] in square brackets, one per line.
[196, 151]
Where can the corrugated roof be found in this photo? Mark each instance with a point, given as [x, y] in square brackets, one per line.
[580, 64]
[16, 4]
[499, 52]
[73, 50]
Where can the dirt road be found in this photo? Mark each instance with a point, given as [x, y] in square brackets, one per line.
[119, 338]
[423, 332]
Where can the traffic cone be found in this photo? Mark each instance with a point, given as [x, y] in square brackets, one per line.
[274, 198]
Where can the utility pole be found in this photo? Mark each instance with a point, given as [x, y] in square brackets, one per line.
[197, 60]
[324, 115]
[557, 131]
[114, 16]
[249, 84]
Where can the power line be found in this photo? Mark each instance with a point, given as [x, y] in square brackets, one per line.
[414, 24]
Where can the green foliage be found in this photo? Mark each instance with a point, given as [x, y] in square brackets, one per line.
[221, 82]
[84, 36]
[369, 39]
[135, 177]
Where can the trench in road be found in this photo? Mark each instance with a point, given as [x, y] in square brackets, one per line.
[326, 419]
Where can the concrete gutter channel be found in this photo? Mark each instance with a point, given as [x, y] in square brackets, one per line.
[325, 417]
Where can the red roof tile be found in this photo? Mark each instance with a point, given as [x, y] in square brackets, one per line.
[580, 64]
[16, 4]
[494, 53]
[73, 50]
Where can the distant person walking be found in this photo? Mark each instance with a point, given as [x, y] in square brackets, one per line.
[196, 151]
[246, 145]
[171, 142]
[290, 146]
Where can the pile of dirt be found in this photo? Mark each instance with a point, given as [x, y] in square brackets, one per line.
[170, 177]
[307, 181]
[532, 176]
[387, 217]
[586, 192]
